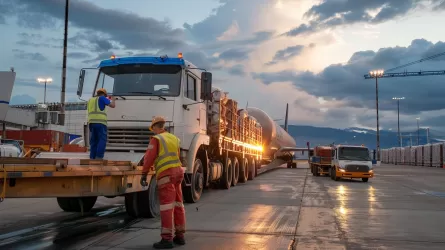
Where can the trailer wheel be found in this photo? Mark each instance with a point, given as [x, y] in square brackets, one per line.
[252, 170]
[236, 171]
[227, 176]
[365, 179]
[75, 204]
[143, 204]
[244, 171]
[316, 173]
[193, 192]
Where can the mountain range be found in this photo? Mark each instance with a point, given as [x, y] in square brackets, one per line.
[357, 136]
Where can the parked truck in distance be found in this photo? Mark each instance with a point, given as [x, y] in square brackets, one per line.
[351, 162]
[342, 161]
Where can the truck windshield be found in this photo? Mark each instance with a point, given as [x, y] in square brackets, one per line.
[140, 80]
[354, 154]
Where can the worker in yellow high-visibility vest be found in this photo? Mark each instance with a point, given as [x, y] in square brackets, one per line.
[163, 156]
[97, 123]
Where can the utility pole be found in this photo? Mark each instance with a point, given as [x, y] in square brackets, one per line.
[428, 135]
[376, 74]
[65, 48]
[418, 131]
[398, 117]
[410, 139]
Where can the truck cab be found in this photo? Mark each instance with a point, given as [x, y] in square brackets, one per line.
[145, 87]
[350, 161]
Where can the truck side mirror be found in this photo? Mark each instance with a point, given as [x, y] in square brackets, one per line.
[206, 86]
[80, 85]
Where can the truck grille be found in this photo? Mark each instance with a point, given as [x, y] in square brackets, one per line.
[357, 168]
[129, 138]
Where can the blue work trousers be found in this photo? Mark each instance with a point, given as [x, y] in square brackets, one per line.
[98, 140]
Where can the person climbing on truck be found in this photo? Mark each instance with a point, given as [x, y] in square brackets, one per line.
[163, 154]
[97, 122]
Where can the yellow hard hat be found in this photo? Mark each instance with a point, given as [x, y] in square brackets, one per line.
[156, 119]
[101, 90]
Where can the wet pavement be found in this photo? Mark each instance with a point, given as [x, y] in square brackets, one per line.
[403, 207]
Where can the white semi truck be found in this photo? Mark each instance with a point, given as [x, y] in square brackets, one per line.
[219, 142]
[221, 145]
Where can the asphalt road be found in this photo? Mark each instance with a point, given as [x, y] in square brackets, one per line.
[403, 207]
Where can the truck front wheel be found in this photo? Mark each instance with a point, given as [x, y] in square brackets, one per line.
[193, 192]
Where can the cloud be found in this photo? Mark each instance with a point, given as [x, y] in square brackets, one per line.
[128, 29]
[332, 13]
[33, 56]
[237, 70]
[231, 12]
[235, 54]
[345, 82]
[288, 53]
[78, 55]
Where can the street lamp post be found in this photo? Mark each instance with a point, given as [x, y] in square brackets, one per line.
[45, 81]
[418, 130]
[376, 74]
[398, 118]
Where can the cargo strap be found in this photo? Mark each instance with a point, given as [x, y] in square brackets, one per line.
[3, 194]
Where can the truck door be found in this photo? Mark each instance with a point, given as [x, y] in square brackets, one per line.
[192, 113]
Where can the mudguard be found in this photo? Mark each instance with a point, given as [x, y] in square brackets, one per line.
[198, 140]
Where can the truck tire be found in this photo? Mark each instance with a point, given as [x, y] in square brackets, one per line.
[252, 169]
[313, 170]
[244, 171]
[316, 173]
[365, 179]
[236, 171]
[144, 204]
[227, 175]
[193, 193]
[73, 204]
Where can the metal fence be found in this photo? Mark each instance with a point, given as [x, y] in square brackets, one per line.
[429, 155]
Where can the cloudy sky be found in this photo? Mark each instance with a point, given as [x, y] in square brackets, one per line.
[311, 54]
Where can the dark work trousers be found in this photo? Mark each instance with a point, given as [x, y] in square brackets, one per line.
[98, 140]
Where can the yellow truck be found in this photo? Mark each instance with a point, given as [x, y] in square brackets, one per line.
[351, 161]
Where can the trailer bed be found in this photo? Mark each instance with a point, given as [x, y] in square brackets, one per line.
[40, 177]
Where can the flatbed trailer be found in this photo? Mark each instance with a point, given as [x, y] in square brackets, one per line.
[320, 165]
[76, 183]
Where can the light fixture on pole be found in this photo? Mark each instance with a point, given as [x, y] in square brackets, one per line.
[418, 130]
[376, 74]
[45, 81]
[398, 118]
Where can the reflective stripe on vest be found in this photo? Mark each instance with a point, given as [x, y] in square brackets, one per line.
[168, 152]
[95, 115]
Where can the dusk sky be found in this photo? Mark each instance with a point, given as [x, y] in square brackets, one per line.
[310, 54]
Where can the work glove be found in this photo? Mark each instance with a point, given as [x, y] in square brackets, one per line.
[144, 180]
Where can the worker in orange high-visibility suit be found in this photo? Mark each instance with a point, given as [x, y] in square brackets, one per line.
[163, 154]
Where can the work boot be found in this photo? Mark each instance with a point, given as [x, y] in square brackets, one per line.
[179, 241]
[163, 244]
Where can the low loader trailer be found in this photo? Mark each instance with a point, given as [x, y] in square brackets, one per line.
[220, 145]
